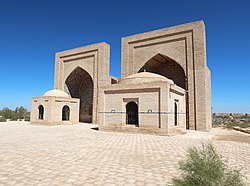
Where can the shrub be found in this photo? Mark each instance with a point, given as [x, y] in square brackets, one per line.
[230, 125]
[27, 118]
[205, 168]
[244, 125]
[2, 119]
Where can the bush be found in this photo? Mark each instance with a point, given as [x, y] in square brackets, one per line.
[205, 168]
[230, 125]
[244, 125]
[27, 118]
[2, 119]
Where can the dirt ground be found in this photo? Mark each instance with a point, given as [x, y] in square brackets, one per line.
[225, 134]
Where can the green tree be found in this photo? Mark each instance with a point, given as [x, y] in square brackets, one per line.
[18, 113]
[205, 168]
[7, 113]
[22, 112]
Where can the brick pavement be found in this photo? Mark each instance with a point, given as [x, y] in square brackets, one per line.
[78, 155]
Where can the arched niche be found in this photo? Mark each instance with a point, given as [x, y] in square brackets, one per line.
[165, 66]
[79, 84]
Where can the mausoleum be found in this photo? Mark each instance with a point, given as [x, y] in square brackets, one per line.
[53, 108]
[164, 86]
[143, 102]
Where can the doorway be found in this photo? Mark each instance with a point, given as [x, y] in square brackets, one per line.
[132, 113]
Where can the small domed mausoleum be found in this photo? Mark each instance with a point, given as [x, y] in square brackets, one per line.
[53, 108]
[144, 102]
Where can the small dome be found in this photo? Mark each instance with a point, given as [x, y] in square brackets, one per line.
[144, 77]
[56, 93]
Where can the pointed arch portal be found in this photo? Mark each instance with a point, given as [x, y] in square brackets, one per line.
[165, 66]
[80, 85]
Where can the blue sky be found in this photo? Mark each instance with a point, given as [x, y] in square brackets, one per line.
[32, 31]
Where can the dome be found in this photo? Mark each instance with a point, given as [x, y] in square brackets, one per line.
[56, 93]
[144, 77]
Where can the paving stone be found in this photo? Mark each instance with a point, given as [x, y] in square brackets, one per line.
[78, 155]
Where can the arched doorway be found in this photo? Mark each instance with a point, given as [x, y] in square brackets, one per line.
[132, 113]
[65, 113]
[80, 85]
[165, 66]
[40, 112]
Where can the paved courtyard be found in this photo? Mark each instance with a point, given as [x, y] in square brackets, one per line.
[79, 155]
